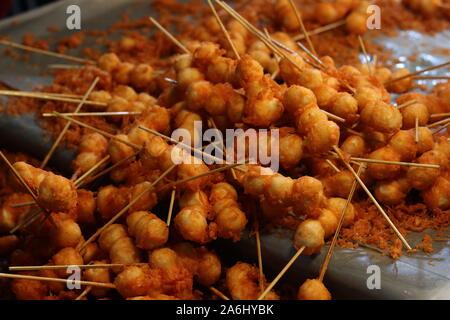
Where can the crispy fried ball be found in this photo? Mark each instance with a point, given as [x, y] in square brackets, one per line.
[57, 194]
[313, 289]
[309, 234]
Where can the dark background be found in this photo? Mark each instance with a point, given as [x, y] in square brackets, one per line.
[12, 7]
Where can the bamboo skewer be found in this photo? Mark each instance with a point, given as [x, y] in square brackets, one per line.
[419, 72]
[63, 66]
[416, 128]
[26, 222]
[217, 170]
[46, 52]
[47, 96]
[81, 266]
[438, 115]
[224, 30]
[259, 254]
[366, 56]
[67, 281]
[398, 163]
[431, 78]
[277, 58]
[375, 202]
[106, 134]
[312, 55]
[172, 200]
[101, 173]
[84, 293]
[438, 123]
[441, 127]
[213, 124]
[94, 114]
[66, 127]
[169, 35]
[407, 103]
[282, 272]
[218, 293]
[319, 30]
[23, 204]
[78, 182]
[326, 262]
[331, 164]
[302, 26]
[359, 134]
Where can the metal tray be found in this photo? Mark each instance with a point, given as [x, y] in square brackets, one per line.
[416, 276]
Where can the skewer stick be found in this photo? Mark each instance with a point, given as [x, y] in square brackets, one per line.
[416, 126]
[326, 262]
[95, 114]
[67, 281]
[46, 52]
[23, 204]
[419, 72]
[26, 222]
[441, 127]
[366, 56]
[84, 293]
[224, 30]
[63, 66]
[319, 30]
[172, 200]
[277, 58]
[398, 163]
[439, 115]
[259, 253]
[359, 134]
[125, 209]
[375, 202]
[213, 124]
[106, 134]
[218, 293]
[169, 35]
[254, 31]
[282, 272]
[331, 164]
[312, 55]
[66, 127]
[101, 173]
[217, 170]
[302, 26]
[81, 266]
[66, 95]
[78, 182]
[407, 103]
[47, 96]
[18, 176]
[431, 78]
[438, 123]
